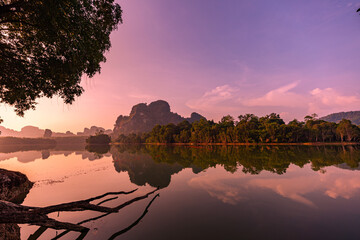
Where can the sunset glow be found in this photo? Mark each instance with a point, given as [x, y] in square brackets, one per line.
[217, 58]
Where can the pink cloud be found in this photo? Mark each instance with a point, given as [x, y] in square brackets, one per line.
[324, 101]
[214, 98]
[296, 185]
[278, 97]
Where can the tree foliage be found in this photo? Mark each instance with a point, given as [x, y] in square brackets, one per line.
[249, 129]
[46, 46]
[99, 139]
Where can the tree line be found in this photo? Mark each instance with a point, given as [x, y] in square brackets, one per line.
[249, 128]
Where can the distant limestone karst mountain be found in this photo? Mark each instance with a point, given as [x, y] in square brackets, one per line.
[35, 132]
[93, 130]
[353, 116]
[143, 118]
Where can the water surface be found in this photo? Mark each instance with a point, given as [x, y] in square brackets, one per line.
[219, 192]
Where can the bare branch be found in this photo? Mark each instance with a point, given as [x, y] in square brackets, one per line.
[134, 223]
[18, 214]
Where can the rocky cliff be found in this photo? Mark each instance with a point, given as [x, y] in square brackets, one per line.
[144, 117]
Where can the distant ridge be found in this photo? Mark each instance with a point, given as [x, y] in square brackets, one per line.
[144, 117]
[353, 116]
[35, 132]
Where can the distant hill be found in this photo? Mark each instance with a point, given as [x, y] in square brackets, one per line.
[35, 132]
[144, 117]
[94, 130]
[27, 132]
[30, 132]
[353, 116]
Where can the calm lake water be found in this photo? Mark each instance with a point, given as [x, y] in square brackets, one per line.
[205, 193]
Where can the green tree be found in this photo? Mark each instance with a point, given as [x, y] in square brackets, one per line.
[183, 132]
[347, 131]
[46, 47]
[247, 128]
[295, 131]
[202, 131]
[226, 129]
[270, 127]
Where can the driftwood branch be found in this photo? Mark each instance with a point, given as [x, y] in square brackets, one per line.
[106, 214]
[19, 214]
[136, 222]
[81, 205]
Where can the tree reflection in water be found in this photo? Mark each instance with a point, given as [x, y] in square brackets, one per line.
[154, 164]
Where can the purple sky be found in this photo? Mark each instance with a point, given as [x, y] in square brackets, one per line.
[219, 57]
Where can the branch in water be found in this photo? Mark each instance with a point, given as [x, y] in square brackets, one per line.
[106, 214]
[136, 222]
[14, 213]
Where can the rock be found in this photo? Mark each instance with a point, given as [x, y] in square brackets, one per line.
[143, 118]
[14, 186]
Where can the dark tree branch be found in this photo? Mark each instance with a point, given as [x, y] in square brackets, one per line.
[82, 205]
[14, 213]
[16, 21]
[106, 214]
[10, 7]
[107, 200]
[134, 223]
[109, 193]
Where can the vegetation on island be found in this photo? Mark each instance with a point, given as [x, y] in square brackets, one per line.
[249, 129]
[99, 139]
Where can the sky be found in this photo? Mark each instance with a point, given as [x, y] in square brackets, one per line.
[218, 57]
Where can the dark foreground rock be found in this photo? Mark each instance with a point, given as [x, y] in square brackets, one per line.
[14, 186]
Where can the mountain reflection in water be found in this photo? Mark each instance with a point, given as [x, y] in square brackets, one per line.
[257, 191]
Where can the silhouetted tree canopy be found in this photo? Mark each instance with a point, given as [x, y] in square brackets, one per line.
[46, 46]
